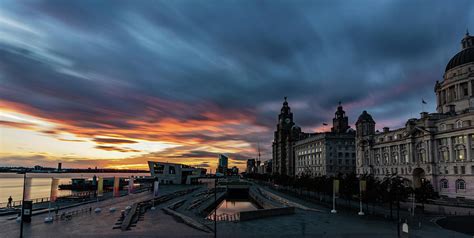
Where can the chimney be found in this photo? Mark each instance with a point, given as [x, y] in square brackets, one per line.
[386, 129]
[423, 115]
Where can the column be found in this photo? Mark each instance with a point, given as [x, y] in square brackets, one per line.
[468, 148]
[435, 151]
[451, 149]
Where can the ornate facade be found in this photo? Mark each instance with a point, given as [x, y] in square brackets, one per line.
[285, 136]
[437, 146]
[327, 153]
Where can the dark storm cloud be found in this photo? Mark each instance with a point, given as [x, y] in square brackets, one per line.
[101, 64]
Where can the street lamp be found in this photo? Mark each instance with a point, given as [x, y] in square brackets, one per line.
[361, 213]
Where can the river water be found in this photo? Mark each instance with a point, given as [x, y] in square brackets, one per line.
[11, 184]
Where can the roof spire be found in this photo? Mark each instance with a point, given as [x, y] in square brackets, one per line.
[285, 98]
[467, 31]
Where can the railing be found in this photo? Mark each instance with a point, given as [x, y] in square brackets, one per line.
[228, 217]
[46, 199]
[67, 216]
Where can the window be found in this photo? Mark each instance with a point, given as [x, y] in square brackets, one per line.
[460, 152]
[472, 169]
[458, 124]
[463, 169]
[158, 168]
[405, 157]
[460, 139]
[455, 169]
[385, 158]
[460, 185]
[395, 157]
[443, 155]
[172, 170]
[464, 89]
[444, 183]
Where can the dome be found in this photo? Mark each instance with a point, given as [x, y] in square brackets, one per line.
[365, 117]
[463, 57]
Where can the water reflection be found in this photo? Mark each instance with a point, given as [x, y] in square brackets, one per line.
[231, 207]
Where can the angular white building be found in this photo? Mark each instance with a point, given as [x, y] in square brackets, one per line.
[169, 173]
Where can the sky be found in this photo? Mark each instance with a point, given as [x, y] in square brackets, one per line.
[118, 83]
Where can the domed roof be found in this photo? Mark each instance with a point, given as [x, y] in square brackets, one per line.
[365, 117]
[463, 57]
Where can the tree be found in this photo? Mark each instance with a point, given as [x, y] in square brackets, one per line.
[425, 192]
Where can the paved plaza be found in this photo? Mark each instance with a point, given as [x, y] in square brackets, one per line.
[155, 223]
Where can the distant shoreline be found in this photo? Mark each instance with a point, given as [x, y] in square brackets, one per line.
[75, 171]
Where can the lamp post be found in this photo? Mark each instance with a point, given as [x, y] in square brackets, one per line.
[399, 186]
[23, 203]
[361, 213]
[215, 207]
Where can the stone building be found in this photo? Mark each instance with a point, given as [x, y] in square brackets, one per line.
[437, 146]
[286, 134]
[327, 153]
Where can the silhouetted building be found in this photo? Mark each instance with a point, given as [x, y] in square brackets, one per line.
[60, 166]
[223, 164]
[234, 171]
[268, 166]
[327, 153]
[437, 146]
[251, 165]
[285, 136]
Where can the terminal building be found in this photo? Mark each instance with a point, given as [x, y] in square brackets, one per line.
[168, 173]
[437, 146]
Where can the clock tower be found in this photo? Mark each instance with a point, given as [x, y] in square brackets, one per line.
[282, 144]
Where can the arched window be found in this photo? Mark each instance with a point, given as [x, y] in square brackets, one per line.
[460, 185]
[444, 184]
[459, 124]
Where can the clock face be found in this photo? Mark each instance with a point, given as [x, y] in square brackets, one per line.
[287, 120]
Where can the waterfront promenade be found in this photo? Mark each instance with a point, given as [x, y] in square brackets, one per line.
[317, 222]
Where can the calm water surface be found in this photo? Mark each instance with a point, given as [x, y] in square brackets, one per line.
[12, 184]
[233, 206]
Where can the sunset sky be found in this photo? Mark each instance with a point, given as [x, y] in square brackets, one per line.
[117, 83]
